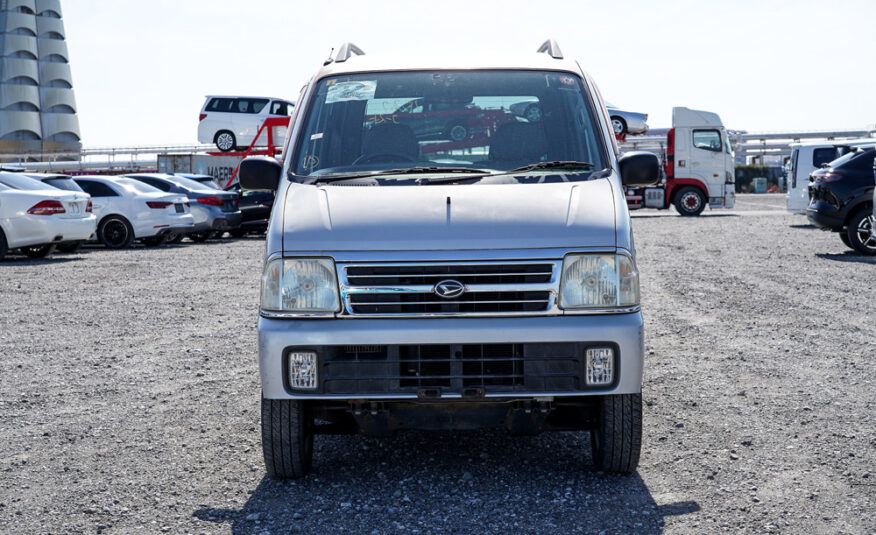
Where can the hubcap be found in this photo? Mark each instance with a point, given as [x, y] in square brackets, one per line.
[867, 233]
[618, 126]
[691, 201]
[224, 141]
[533, 114]
[458, 133]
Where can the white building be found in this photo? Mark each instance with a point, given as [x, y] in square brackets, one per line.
[37, 106]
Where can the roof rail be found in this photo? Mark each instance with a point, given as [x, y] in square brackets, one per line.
[346, 52]
[551, 47]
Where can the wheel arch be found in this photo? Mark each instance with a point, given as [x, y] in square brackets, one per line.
[677, 184]
[864, 202]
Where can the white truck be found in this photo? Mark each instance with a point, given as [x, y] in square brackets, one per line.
[698, 167]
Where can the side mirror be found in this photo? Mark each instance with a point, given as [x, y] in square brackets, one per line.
[639, 169]
[259, 173]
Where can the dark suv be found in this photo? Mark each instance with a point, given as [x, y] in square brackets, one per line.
[841, 199]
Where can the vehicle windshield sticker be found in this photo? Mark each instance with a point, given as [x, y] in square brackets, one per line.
[348, 91]
[567, 80]
[311, 162]
[314, 137]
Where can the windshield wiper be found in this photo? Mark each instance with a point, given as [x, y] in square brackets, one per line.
[422, 170]
[559, 164]
[565, 164]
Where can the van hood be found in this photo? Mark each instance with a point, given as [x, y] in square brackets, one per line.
[333, 217]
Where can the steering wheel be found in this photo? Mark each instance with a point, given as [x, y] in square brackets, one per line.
[383, 157]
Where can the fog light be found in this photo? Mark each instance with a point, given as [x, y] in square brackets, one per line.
[600, 366]
[302, 370]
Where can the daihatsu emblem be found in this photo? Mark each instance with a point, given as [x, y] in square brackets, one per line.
[449, 289]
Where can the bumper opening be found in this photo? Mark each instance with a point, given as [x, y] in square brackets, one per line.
[470, 371]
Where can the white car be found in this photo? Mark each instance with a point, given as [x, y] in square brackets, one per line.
[35, 217]
[127, 209]
[233, 122]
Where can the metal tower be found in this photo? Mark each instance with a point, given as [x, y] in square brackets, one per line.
[37, 107]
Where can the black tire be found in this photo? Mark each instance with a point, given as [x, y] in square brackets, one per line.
[844, 237]
[617, 438]
[200, 237]
[225, 141]
[690, 201]
[618, 125]
[457, 131]
[861, 232]
[237, 233]
[4, 246]
[115, 232]
[38, 251]
[153, 241]
[287, 438]
[70, 247]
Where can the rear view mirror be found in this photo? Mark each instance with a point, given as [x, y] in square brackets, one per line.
[260, 173]
[639, 169]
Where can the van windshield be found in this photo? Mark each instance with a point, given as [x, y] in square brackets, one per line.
[448, 121]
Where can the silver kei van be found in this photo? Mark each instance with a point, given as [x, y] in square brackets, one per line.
[419, 277]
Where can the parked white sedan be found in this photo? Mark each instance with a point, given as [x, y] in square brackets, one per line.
[128, 209]
[35, 217]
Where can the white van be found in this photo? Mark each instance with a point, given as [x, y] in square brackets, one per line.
[233, 122]
[809, 156]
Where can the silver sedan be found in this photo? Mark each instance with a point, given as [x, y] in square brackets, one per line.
[627, 122]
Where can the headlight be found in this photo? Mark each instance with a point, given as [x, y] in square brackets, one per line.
[300, 285]
[599, 281]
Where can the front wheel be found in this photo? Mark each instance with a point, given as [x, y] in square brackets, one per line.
[617, 438]
[38, 251]
[862, 233]
[690, 201]
[287, 438]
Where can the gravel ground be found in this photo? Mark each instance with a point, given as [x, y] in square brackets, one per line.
[129, 402]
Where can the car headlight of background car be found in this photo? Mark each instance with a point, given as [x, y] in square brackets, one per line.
[303, 285]
[599, 281]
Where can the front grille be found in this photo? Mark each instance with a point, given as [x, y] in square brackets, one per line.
[490, 288]
[452, 368]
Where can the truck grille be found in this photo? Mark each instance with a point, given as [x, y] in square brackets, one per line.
[452, 368]
[488, 288]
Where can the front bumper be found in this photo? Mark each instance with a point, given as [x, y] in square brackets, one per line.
[623, 331]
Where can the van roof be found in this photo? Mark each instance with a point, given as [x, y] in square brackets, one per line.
[448, 61]
[246, 96]
[836, 142]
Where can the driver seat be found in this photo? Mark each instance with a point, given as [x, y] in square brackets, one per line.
[391, 139]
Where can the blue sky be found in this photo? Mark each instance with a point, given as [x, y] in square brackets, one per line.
[141, 69]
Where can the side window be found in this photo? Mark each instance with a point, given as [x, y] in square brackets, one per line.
[278, 107]
[823, 155]
[163, 186]
[707, 140]
[96, 189]
[249, 105]
[220, 104]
